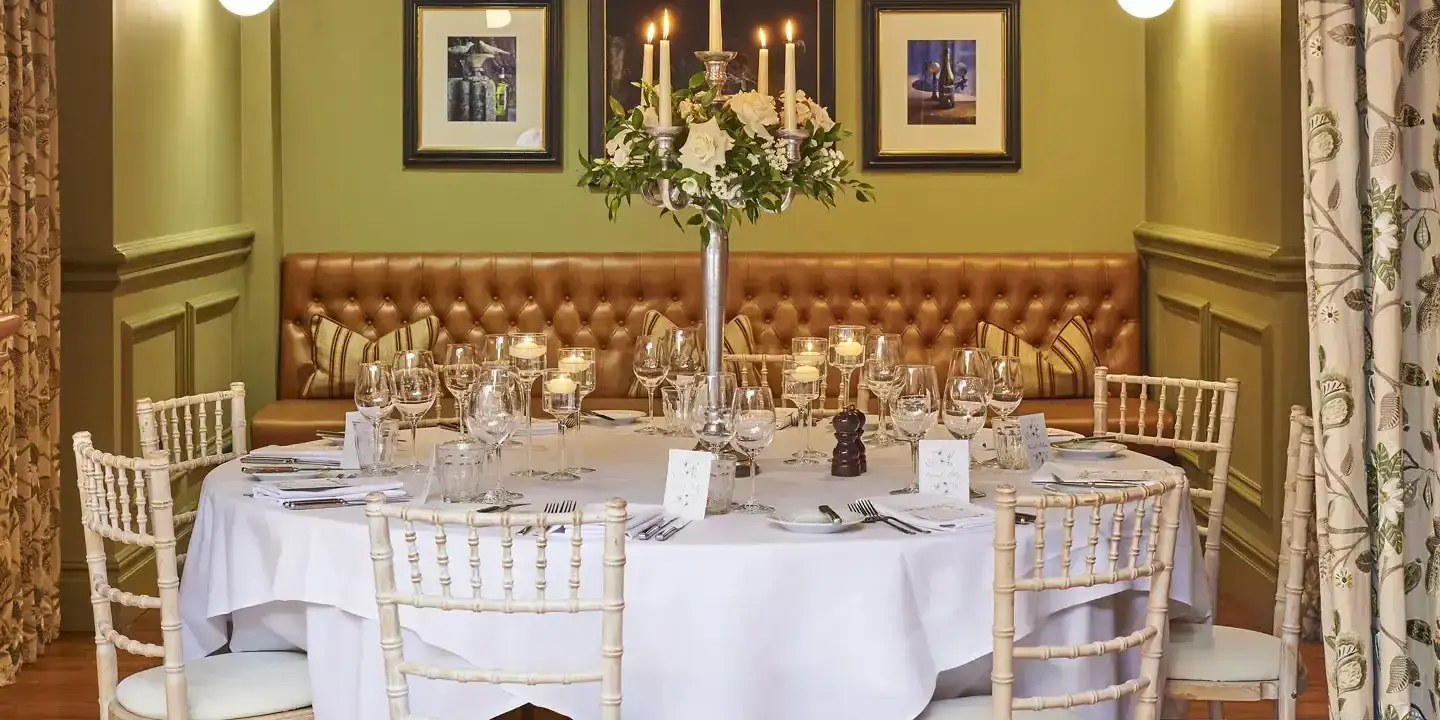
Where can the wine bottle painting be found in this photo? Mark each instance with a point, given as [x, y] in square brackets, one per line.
[942, 82]
[481, 79]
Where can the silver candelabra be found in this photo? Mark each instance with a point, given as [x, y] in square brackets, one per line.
[715, 248]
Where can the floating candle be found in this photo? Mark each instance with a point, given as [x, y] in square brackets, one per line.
[527, 349]
[561, 386]
[573, 364]
[806, 373]
[809, 358]
[849, 348]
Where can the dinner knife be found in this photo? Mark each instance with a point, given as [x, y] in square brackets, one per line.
[592, 413]
[321, 503]
[830, 513]
[654, 530]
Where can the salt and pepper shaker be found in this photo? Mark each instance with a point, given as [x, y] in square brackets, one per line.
[848, 459]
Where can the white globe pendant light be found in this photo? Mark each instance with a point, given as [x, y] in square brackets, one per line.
[246, 8]
[1146, 8]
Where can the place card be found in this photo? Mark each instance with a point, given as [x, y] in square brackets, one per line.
[349, 450]
[945, 468]
[1036, 440]
[687, 483]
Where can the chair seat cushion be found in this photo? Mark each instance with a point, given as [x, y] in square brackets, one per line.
[978, 708]
[225, 687]
[1221, 654]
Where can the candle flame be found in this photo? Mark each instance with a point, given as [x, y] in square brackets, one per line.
[762, 37]
[789, 31]
[650, 33]
[665, 25]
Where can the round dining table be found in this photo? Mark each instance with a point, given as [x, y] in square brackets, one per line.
[733, 618]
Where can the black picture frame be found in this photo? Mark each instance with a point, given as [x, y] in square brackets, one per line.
[1008, 159]
[553, 123]
[818, 27]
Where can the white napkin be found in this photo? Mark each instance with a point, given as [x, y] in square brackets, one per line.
[541, 428]
[933, 512]
[313, 450]
[323, 489]
[640, 516]
[1082, 471]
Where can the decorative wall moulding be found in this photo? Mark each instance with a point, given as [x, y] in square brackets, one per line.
[157, 261]
[1247, 260]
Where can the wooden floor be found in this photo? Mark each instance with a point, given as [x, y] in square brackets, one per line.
[61, 686]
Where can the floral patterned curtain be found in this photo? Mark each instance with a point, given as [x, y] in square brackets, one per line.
[30, 368]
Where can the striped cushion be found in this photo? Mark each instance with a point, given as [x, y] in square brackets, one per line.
[1065, 368]
[739, 340]
[338, 352]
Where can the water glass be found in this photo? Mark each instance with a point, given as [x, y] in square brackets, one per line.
[754, 431]
[375, 447]
[1007, 385]
[913, 410]
[722, 485]
[460, 469]
[462, 363]
[1009, 445]
[672, 402]
[416, 389]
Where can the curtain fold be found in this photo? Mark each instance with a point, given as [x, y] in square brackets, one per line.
[30, 367]
[1370, 84]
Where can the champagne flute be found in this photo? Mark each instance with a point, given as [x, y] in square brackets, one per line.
[374, 397]
[881, 374]
[650, 369]
[811, 352]
[580, 360]
[415, 391]
[560, 396]
[712, 410]
[526, 356]
[913, 410]
[754, 431]
[495, 415]
[801, 385]
[462, 364]
[847, 352]
[1007, 386]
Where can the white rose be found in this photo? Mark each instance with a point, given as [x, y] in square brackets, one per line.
[755, 112]
[619, 148]
[819, 115]
[705, 147]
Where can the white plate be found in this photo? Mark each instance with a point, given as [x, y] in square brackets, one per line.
[618, 417]
[297, 475]
[814, 522]
[1089, 450]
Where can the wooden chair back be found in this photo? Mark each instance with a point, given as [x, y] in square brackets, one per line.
[1210, 407]
[1112, 553]
[127, 501]
[190, 429]
[1294, 538]
[610, 604]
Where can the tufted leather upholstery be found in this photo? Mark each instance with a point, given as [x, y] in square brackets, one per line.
[595, 300]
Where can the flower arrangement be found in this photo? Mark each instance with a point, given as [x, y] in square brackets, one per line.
[731, 164]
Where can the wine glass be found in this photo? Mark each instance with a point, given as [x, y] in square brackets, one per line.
[800, 384]
[811, 352]
[650, 368]
[415, 391]
[754, 431]
[971, 362]
[685, 358]
[462, 364]
[560, 396]
[580, 360]
[495, 415]
[881, 374]
[496, 348]
[712, 410]
[963, 413]
[1007, 386]
[847, 352]
[917, 398]
[526, 356]
[374, 397]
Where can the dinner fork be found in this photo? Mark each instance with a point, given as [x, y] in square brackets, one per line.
[871, 516]
[871, 510]
[552, 508]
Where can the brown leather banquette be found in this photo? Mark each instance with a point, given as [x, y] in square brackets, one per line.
[600, 300]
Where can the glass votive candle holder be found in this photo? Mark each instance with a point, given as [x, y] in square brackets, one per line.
[376, 456]
[722, 485]
[1009, 445]
[460, 470]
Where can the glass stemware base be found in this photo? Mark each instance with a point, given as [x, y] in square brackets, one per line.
[579, 470]
[800, 458]
[528, 472]
[412, 467]
[911, 490]
[498, 496]
[559, 476]
[751, 507]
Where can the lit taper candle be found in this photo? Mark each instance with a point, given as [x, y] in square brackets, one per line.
[665, 70]
[647, 66]
[717, 37]
[762, 79]
[789, 75]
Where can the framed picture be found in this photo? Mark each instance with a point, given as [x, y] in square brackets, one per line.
[482, 82]
[941, 83]
[617, 40]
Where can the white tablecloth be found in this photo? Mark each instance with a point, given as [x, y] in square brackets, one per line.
[732, 618]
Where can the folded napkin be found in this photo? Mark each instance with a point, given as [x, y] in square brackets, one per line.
[640, 516]
[1080, 471]
[542, 427]
[323, 489]
[933, 512]
[314, 450]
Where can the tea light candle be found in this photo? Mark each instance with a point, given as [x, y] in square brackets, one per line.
[849, 349]
[560, 386]
[527, 349]
[809, 358]
[806, 373]
[573, 364]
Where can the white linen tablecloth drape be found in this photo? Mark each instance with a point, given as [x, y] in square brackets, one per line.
[732, 618]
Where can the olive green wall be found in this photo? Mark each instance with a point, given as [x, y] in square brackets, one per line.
[344, 188]
[1224, 270]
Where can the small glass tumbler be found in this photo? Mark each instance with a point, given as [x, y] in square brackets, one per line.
[671, 402]
[460, 470]
[722, 485]
[1009, 445]
[376, 458]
